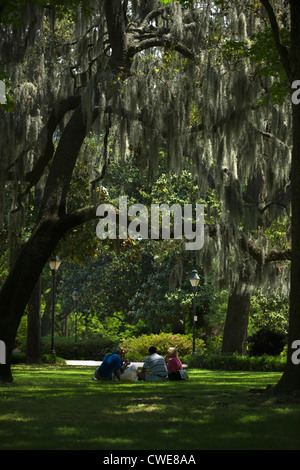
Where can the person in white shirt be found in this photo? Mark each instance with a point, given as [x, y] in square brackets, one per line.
[156, 364]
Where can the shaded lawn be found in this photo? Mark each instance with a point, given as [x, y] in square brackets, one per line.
[60, 407]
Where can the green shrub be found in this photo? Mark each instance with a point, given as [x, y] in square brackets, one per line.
[89, 349]
[236, 362]
[52, 359]
[137, 348]
[18, 357]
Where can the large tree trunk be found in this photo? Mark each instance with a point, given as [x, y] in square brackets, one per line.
[20, 283]
[54, 222]
[290, 379]
[33, 345]
[46, 319]
[17, 289]
[236, 325]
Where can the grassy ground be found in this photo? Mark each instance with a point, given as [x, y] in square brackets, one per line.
[60, 407]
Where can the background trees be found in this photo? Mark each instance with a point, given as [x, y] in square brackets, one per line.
[135, 78]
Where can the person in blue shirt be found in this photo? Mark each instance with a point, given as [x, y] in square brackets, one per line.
[111, 363]
[128, 371]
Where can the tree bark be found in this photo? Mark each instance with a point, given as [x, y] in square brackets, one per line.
[33, 345]
[46, 319]
[236, 324]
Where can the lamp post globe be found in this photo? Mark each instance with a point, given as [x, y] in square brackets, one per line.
[54, 264]
[194, 280]
[75, 295]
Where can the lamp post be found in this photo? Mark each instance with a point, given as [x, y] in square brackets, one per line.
[75, 297]
[194, 280]
[54, 265]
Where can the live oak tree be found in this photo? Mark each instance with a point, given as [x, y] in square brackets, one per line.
[291, 63]
[244, 138]
[99, 80]
[145, 36]
[287, 14]
[248, 138]
[112, 76]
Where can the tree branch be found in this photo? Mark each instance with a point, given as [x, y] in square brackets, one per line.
[69, 221]
[163, 41]
[268, 135]
[261, 258]
[116, 32]
[282, 50]
[105, 156]
[58, 112]
[33, 176]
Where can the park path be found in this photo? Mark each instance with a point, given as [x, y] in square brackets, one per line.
[75, 362]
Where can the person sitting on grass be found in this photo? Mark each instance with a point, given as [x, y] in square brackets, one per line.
[128, 371]
[156, 364]
[111, 363]
[172, 360]
[174, 364]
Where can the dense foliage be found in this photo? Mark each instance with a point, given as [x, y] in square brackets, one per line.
[162, 102]
[141, 287]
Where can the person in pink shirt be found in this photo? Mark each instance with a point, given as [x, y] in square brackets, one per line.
[174, 366]
[172, 361]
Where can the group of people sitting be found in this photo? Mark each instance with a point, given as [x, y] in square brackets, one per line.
[155, 368]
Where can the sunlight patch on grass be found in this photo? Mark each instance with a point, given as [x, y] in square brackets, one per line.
[169, 433]
[144, 407]
[112, 441]
[66, 431]
[14, 417]
[251, 419]
[284, 411]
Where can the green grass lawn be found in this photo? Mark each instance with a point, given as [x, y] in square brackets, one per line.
[60, 407]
